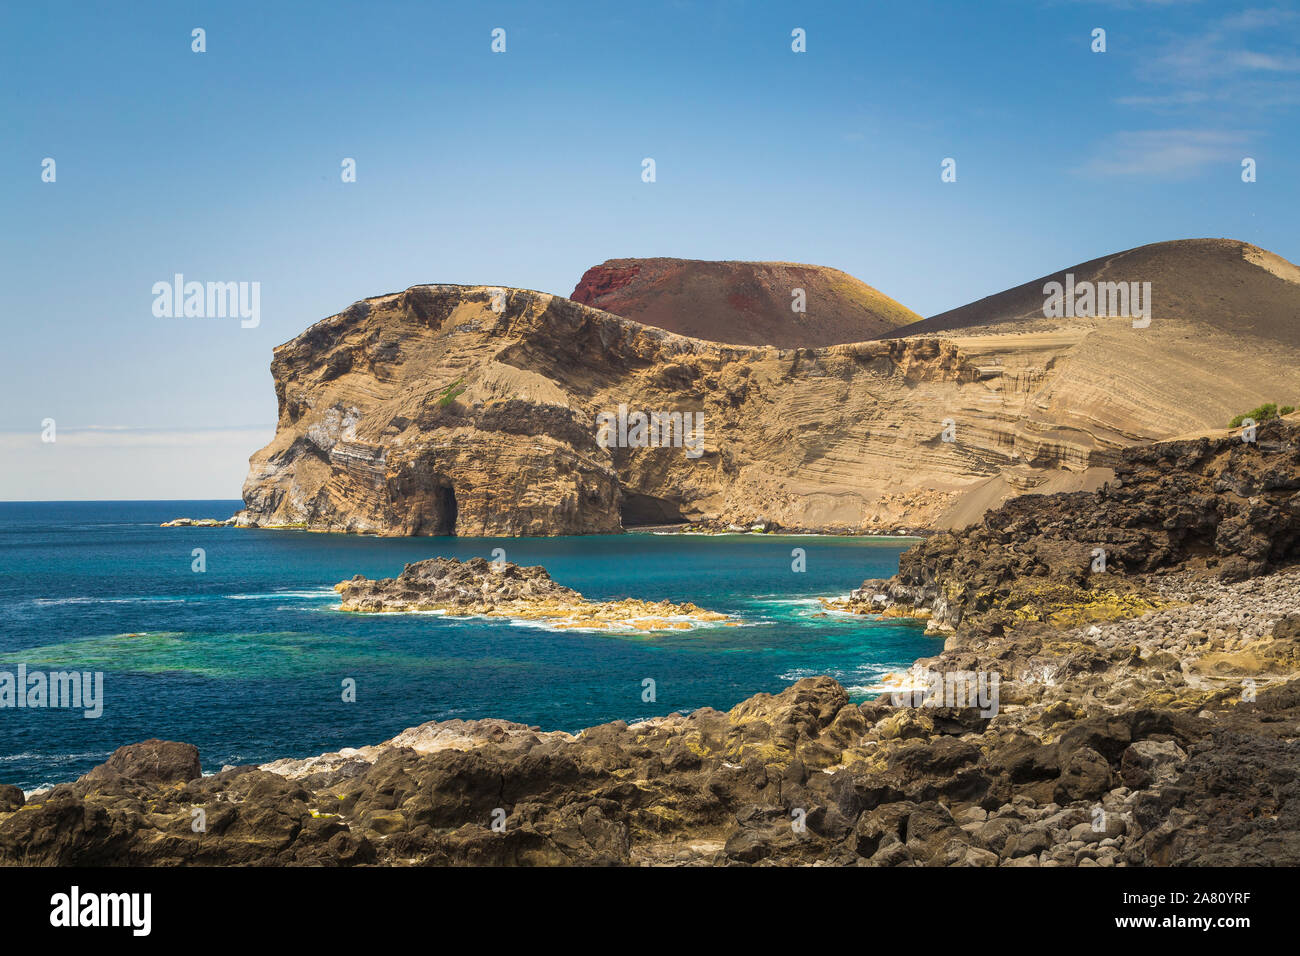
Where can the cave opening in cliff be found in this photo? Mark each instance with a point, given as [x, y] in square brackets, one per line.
[446, 511]
[638, 509]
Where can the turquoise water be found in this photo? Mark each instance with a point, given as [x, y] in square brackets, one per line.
[247, 659]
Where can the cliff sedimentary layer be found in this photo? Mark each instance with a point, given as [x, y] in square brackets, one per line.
[474, 411]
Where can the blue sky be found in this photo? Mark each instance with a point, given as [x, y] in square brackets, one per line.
[524, 169]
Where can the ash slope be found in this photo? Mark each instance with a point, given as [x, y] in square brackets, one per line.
[1214, 285]
[742, 303]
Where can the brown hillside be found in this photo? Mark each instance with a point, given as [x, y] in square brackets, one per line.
[742, 303]
[1223, 284]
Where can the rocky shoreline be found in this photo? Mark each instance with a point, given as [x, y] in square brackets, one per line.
[702, 527]
[501, 589]
[803, 777]
[1147, 714]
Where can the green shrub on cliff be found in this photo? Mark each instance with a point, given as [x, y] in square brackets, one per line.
[451, 392]
[1262, 414]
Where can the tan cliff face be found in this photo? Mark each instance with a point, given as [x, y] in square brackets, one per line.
[376, 435]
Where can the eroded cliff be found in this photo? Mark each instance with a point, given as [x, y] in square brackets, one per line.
[472, 410]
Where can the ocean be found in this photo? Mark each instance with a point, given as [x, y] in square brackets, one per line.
[248, 658]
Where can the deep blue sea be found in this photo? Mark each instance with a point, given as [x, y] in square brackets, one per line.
[247, 659]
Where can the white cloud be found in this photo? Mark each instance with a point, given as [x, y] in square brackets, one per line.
[1242, 62]
[1171, 153]
[1258, 19]
[1185, 98]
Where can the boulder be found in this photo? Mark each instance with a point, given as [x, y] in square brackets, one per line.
[150, 761]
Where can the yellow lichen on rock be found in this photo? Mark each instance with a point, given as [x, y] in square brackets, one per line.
[479, 588]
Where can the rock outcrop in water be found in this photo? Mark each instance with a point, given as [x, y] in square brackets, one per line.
[502, 589]
[450, 409]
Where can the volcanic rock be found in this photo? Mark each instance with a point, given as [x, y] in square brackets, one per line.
[151, 761]
[502, 589]
[1222, 507]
